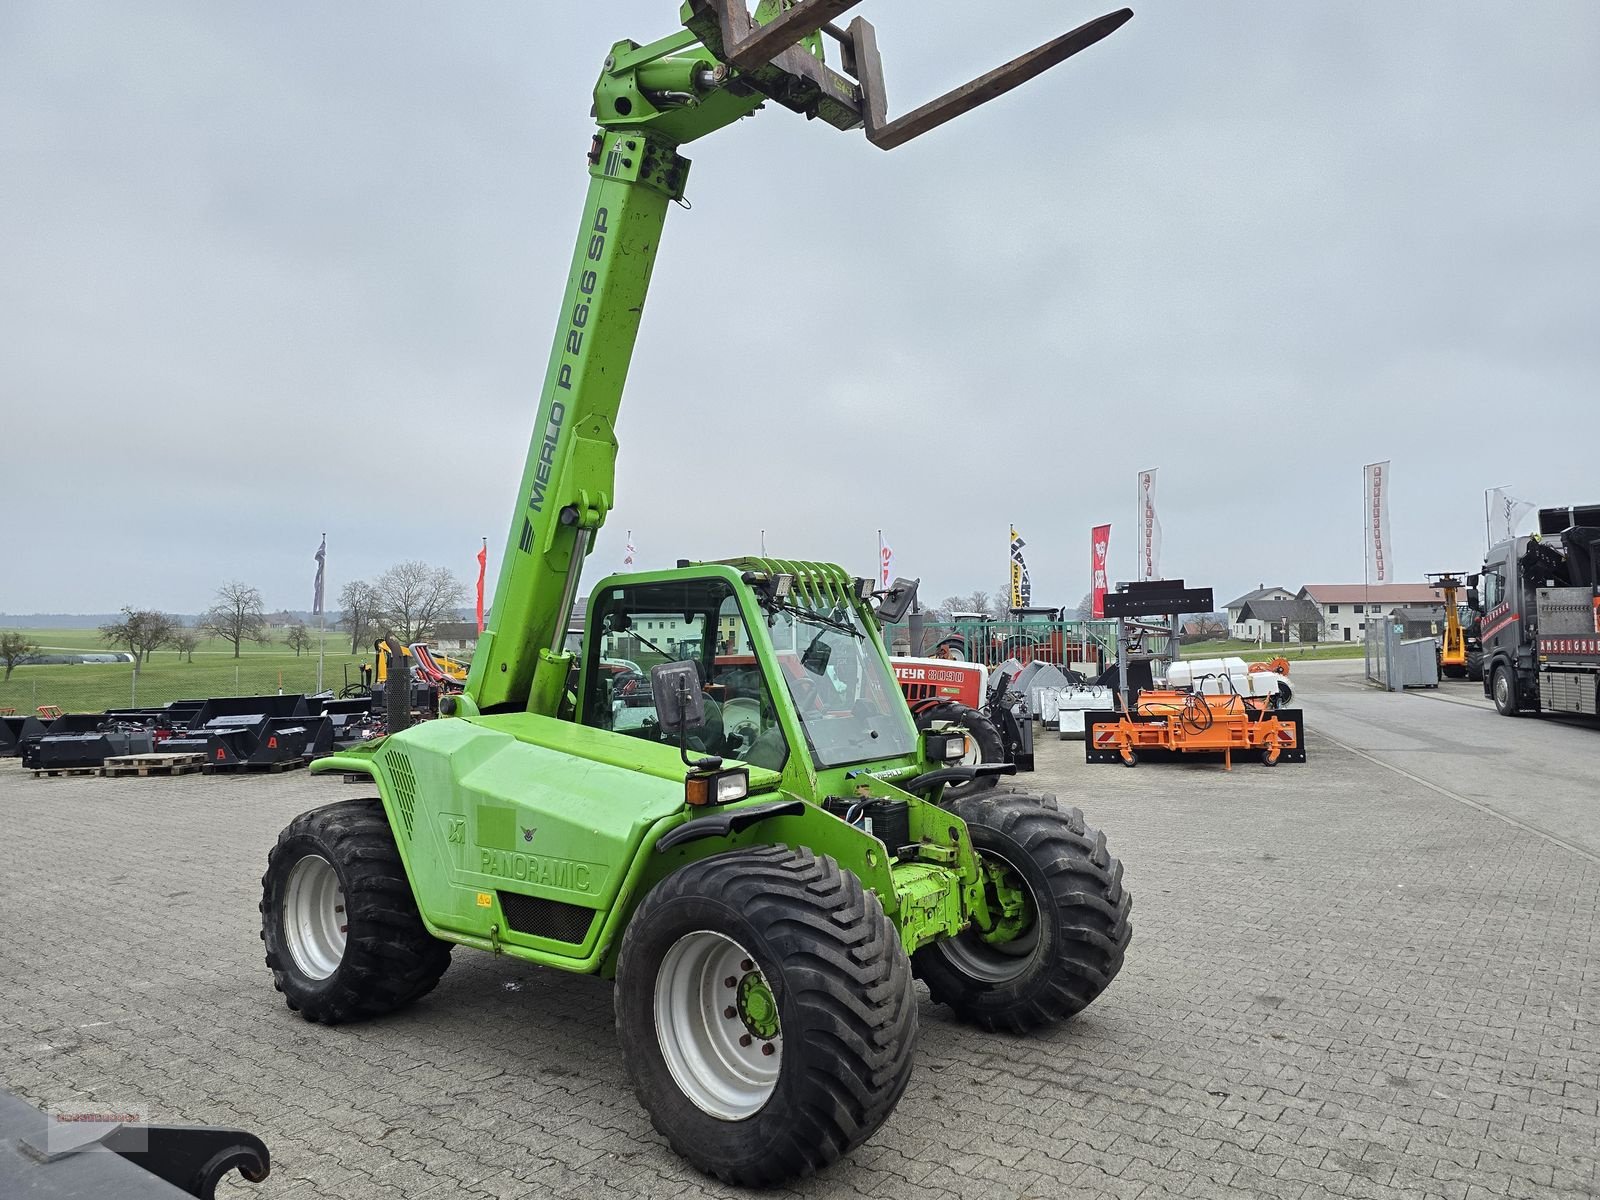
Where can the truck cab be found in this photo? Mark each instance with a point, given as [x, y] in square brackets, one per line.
[1537, 609]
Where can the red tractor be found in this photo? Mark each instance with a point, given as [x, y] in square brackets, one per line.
[956, 692]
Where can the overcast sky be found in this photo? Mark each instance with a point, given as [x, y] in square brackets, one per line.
[248, 254]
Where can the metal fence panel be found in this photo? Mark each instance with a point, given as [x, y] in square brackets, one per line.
[1057, 643]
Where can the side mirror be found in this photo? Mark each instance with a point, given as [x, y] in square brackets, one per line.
[897, 601]
[679, 702]
[1472, 598]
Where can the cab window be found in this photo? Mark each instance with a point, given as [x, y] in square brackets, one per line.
[1493, 590]
[637, 627]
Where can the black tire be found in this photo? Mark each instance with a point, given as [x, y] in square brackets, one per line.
[1503, 691]
[389, 959]
[1130, 759]
[1475, 665]
[842, 987]
[986, 739]
[1079, 934]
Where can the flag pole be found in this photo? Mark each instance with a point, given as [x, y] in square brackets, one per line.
[322, 634]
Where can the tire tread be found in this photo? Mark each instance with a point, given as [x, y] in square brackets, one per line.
[392, 960]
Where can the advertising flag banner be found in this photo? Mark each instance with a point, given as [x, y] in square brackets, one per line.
[1099, 542]
[322, 563]
[1380, 563]
[1505, 516]
[885, 563]
[1149, 528]
[627, 553]
[483, 567]
[1021, 585]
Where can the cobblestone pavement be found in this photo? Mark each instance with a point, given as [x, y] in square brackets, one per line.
[1342, 983]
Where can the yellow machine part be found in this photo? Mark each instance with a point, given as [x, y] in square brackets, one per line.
[456, 670]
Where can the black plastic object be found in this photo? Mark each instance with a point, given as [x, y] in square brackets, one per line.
[15, 730]
[886, 819]
[726, 822]
[926, 782]
[64, 751]
[256, 741]
[1157, 597]
[1583, 555]
[148, 1162]
[192, 1157]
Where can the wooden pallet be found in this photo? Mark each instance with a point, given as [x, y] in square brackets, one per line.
[128, 765]
[271, 768]
[53, 772]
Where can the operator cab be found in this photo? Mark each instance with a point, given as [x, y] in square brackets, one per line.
[814, 655]
[635, 626]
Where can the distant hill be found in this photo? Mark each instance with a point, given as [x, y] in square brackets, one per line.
[57, 620]
[95, 620]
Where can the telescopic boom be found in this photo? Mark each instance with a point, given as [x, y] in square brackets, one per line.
[725, 64]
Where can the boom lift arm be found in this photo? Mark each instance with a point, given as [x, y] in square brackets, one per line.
[649, 101]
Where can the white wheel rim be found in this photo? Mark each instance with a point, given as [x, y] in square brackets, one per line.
[722, 1063]
[314, 919]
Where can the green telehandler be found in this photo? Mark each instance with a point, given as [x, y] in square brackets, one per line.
[756, 846]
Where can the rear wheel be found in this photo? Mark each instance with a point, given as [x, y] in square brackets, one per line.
[765, 1013]
[342, 932]
[1503, 688]
[1059, 918]
[984, 743]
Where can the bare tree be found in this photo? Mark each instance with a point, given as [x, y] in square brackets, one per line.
[1085, 609]
[978, 602]
[414, 597]
[184, 640]
[142, 631]
[236, 616]
[298, 638]
[358, 609]
[14, 648]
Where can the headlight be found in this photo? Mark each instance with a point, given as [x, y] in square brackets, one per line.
[945, 747]
[723, 787]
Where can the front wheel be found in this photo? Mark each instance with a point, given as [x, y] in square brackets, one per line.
[1503, 687]
[342, 932]
[766, 1013]
[1059, 918]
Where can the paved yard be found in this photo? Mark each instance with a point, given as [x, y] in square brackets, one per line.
[1371, 976]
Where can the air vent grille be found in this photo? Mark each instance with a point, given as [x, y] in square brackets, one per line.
[547, 918]
[405, 787]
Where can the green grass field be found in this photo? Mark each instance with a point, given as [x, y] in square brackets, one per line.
[94, 687]
[1294, 651]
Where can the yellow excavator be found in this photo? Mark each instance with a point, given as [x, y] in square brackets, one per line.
[1460, 653]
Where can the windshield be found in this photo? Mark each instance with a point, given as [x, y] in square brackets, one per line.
[849, 705]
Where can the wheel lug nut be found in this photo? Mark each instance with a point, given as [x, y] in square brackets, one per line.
[768, 1049]
[730, 981]
[744, 1039]
[730, 1012]
[747, 965]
